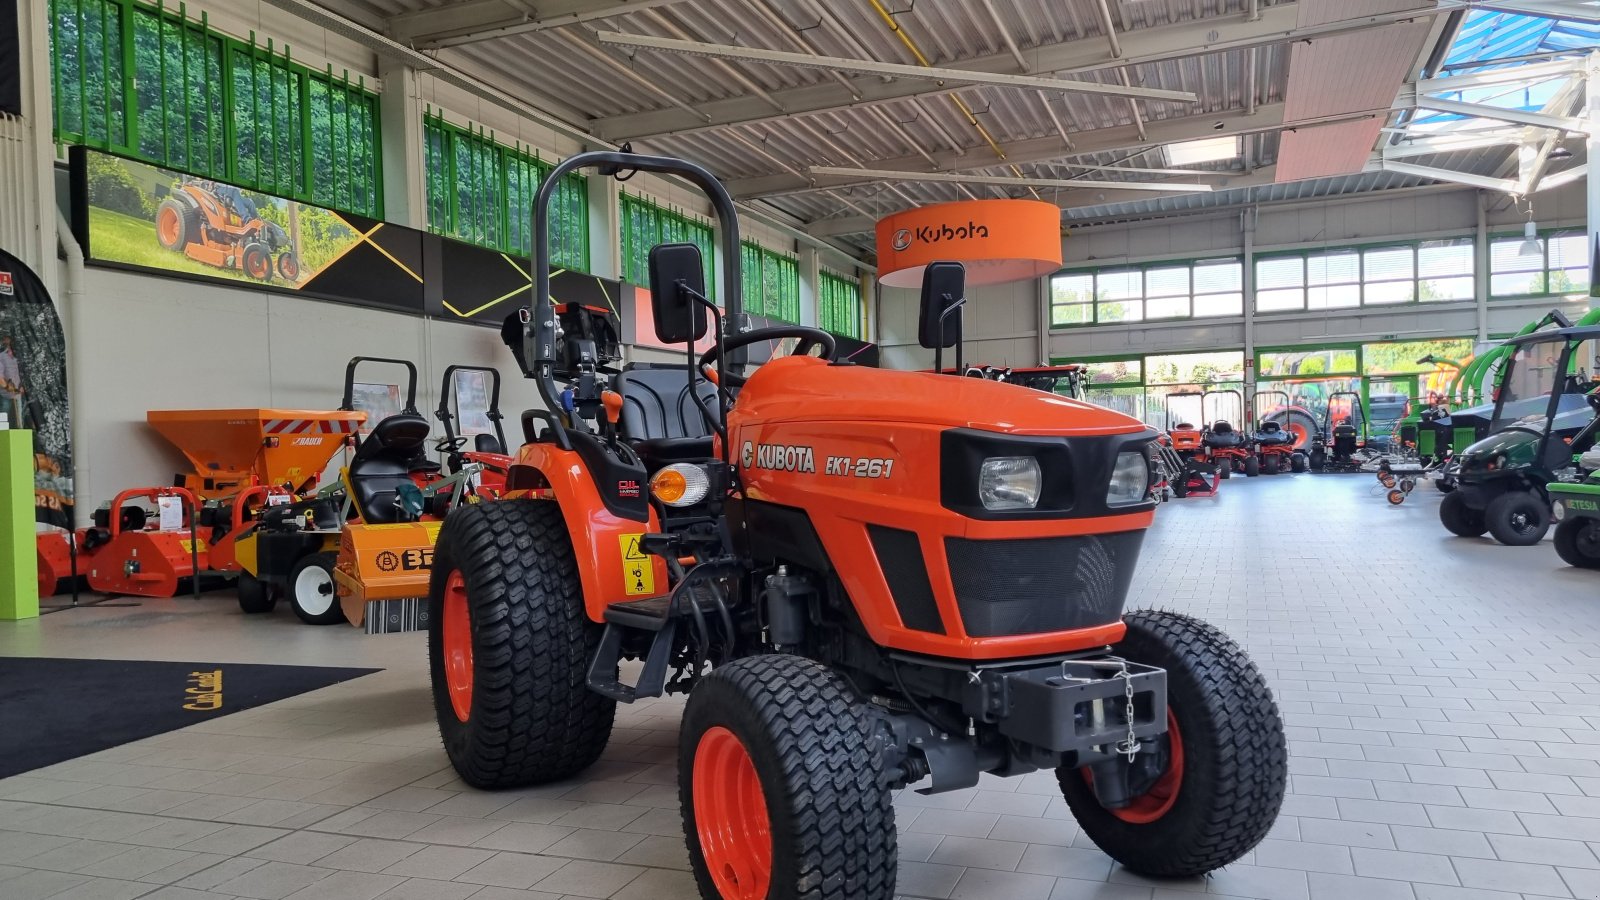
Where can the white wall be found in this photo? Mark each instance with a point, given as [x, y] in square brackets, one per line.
[158, 343]
[1000, 324]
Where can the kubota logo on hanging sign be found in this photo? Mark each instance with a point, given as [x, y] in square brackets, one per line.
[998, 240]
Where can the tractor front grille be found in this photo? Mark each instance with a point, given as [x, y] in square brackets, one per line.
[1038, 585]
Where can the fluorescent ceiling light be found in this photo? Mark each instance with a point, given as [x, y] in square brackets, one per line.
[1204, 150]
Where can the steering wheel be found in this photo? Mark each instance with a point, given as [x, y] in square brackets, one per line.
[809, 338]
[449, 445]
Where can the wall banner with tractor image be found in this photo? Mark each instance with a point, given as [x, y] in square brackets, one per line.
[134, 214]
[33, 385]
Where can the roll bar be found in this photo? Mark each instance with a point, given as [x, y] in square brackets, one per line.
[350, 382]
[539, 334]
[443, 412]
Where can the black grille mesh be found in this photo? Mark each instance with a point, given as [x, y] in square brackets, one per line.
[1037, 585]
[900, 556]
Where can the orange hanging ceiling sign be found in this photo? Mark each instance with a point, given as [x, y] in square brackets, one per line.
[997, 240]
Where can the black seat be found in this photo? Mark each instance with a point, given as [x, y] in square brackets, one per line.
[1273, 433]
[488, 443]
[659, 415]
[383, 461]
[1221, 435]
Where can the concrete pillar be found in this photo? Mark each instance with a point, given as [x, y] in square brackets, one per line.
[19, 581]
[1592, 210]
[1248, 270]
[810, 265]
[38, 109]
[404, 167]
[1480, 266]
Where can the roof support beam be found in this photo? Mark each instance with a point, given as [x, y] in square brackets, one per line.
[1576, 10]
[1505, 185]
[1171, 187]
[944, 77]
[1277, 24]
[1517, 116]
[1045, 149]
[1074, 199]
[472, 21]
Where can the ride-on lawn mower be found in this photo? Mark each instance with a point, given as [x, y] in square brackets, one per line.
[1225, 447]
[1544, 415]
[1575, 506]
[1190, 471]
[1276, 447]
[1342, 437]
[218, 225]
[488, 447]
[864, 579]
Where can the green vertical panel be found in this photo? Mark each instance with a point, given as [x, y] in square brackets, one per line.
[19, 584]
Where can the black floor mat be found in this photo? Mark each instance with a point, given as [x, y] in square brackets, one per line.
[53, 710]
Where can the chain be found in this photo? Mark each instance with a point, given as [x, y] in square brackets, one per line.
[1129, 747]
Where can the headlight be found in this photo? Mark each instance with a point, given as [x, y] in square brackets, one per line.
[1558, 510]
[1130, 480]
[680, 484]
[1009, 482]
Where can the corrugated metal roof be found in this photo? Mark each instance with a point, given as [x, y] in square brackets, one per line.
[604, 82]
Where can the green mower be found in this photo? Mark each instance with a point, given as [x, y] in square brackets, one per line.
[1576, 509]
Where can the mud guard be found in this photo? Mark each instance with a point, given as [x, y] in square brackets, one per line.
[611, 566]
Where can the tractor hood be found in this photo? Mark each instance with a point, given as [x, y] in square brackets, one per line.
[1513, 448]
[807, 389]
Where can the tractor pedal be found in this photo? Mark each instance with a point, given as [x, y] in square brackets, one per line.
[602, 677]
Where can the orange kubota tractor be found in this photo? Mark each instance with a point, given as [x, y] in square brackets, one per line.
[863, 579]
[218, 225]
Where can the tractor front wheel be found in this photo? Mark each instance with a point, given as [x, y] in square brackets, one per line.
[781, 783]
[289, 266]
[256, 262]
[1227, 757]
[1252, 466]
[1460, 519]
[509, 646]
[255, 595]
[1224, 468]
[1518, 518]
[1297, 462]
[1578, 542]
[311, 590]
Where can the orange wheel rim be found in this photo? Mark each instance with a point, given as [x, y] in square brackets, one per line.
[1302, 435]
[258, 267]
[168, 226]
[730, 815]
[1158, 800]
[457, 628]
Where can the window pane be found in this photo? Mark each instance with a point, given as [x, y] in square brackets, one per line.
[1071, 288]
[1194, 368]
[1126, 400]
[1219, 304]
[1438, 259]
[1117, 371]
[1336, 297]
[1217, 277]
[1568, 250]
[1121, 310]
[1167, 307]
[1388, 264]
[1511, 273]
[1279, 300]
[1391, 292]
[1400, 358]
[1280, 272]
[1569, 281]
[1071, 313]
[1311, 361]
[1167, 282]
[1456, 288]
[1333, 268]
[1121, 285]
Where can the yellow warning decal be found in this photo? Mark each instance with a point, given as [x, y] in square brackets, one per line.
[638, 575]
[190, 546]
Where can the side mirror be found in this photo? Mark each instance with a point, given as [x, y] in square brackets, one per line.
[943, 291]
[676, 277]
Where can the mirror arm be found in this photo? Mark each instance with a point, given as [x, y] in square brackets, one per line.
[719, 423]
[938, 352]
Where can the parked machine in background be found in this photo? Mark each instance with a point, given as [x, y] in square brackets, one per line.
[1544, 415]
[1277, 449]
[1575, 507]
[468, 423]
[1342, 437]
[1226, 447]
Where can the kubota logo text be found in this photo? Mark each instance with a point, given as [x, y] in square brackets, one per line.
[785, 459]
[933, 234]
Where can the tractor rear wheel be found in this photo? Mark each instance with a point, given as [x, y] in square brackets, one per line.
[1460, 519]
[255, 595]
[781, 783]
[312, 592]
[1252, 466]
[1227, 757]
[177, 224]
[1578, 542]
[509, 644]
[1518, 518]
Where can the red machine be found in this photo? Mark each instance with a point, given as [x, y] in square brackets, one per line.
[127, 553]
[468, 393]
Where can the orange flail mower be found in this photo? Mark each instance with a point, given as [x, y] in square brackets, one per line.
[864, 580]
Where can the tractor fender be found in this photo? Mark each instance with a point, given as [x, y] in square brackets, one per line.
[611, 567]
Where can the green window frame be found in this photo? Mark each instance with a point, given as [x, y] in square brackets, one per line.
[839, 304]
[771, 282]
[646, 223]
[150, 83]
[1139, 385]
[1387, 273]
[1152, 292]
[1560, 268]
[482, 191]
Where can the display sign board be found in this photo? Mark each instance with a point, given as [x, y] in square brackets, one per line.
[33, 386]
[131, 214]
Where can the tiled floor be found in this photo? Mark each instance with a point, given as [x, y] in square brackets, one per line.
[1441, 696]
